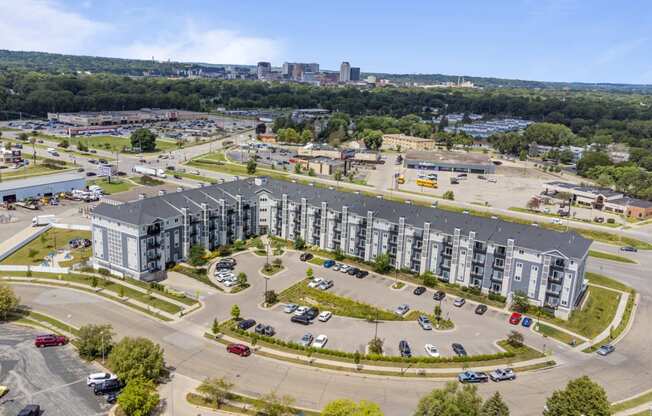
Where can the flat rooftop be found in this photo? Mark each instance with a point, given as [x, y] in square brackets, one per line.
[467, 158]
[40, 180]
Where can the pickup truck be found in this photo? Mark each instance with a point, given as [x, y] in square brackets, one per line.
[473, 377]
[502, 374]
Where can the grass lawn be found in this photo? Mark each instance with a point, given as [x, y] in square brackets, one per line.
[610, 256]
[244, 409]
[197, 274]
[148, 180]
[602, 280]
[192, 176]
[271, 269]
[551, 215]
[30, 170]
[300, 293]
[111, 143]
[115, 186]
[34, 252]
[597, 314]
[35, 318]
[551, 332]
[629, 404]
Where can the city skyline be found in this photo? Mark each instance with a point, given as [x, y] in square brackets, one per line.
[544, 41]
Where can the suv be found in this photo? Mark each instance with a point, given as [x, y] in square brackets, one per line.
[361, 274]
[311, 313]
[30, 410]
[239, 349]
[404, 348]
[106, 387]
[300, 319]
[424, 322]
[96, 378]
[329, 263]
[246, 324]
[501, 374]
[305, 256]
[439, 295]
[50, 340]
[480, 309]
[459, 349]
[266, 330]
[352, 271]
[419, 290]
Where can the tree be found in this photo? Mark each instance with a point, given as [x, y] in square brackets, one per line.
[590, 160]
[143, 139]
[196, 255]
[306, 136]
[215, 390]
[375, 346]
[495, 406]
[346, 407]
[373, 139]
[235, 312]
[450, 401]
[437, 312]
[566, 156]
[95, 340]
[549, 134]
[449, 195]
[271, 297]
[580, 397]
[429, 279]
[251, 166]
[273, 405]
[23, 137]
[522, 155]
[8, 300]
[215, 329]
[309, 273]
[297, 168]
[338, 175]
[299, 244]
[382, 263]
[533, 204]
[136, 357]
[520, 302]
[515, 339]
[242, 278]
[138, 398]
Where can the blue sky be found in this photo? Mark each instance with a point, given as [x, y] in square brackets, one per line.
[553, 40]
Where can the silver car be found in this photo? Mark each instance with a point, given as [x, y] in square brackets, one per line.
[402, 309]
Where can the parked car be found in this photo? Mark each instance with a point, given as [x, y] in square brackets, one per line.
[527, 322]
[424, 322]
[246, 324]
[50, 340]
[459, 349]
[300, 310]
[305, 256]
[290, 307]
[502, 374]
[229, 260]
[108, 386]
[329, 263]
[325, 316]
[515, 318]
[266, 330]
[459, 302]
[362, 274]
[439, 295]
[605, 350]
[316, 281]
[352, 271]
[306, 339]
[111, 398]
[337, 267]
[404, 348]
[473, 377]
[419, 290]
[239, 349]
[223, 265]
[95, 378]
[300, 319]
[431, 350]
[320, 341]
[30, 410]
[480, 309]
[311, 313]
[344, 268]
[91, 174]
[402, 309]
[80, 170]
[326, 284]
[629, 248]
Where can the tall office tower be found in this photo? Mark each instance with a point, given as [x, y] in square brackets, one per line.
[263, 69]
[287, 69]
[355, 74]
[311, 67]
[345, 72]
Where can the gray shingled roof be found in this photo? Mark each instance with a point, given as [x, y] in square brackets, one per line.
[499, 231]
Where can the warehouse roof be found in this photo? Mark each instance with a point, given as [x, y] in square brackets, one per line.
[449, 157]
[40, 180]
[499, 231]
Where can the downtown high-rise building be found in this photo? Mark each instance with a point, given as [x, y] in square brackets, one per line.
[345, 72]
[354, 74]
[263, 69]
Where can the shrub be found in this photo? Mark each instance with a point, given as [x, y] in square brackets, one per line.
[271, 297]
[103, 271]
[515, 339]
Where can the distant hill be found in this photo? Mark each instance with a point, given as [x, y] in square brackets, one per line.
[58, 63]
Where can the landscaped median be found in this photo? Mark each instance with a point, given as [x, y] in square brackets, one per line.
[150, 301]
[636, 401]
[610, 256]
[37, 319]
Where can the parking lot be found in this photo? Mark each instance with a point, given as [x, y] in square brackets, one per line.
[53, 377]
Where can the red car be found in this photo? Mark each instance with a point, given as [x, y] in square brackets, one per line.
[239, 349]
[50, 340]
[515, 319]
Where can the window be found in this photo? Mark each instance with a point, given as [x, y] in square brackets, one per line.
[521, 252]
[499, 262]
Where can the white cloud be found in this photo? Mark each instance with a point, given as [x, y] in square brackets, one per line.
[194, 44]
[44, 25]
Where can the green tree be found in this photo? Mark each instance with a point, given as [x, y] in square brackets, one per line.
[138, 398]
[309, 273]
[8, 300]
[299, 243]
[549, 134]
[215, 390]
[273, 405]
[515, 339]
[297, 168]
[382, 263]
[373, 139]
[196, 255]
[449, 195]
[306, 136]
[338, 175]
[95, 341]
[215, 329]
[143, 139]
[590, 160]
[346, 407]
[522, 155]
[581, 396]
[375, 346]
[566, 156]
[242, 278]
[22, 136]
[251, 166]
[520, 302]
[495, 406]
[271, 297]
[429, 279]
[450, 401]
[437, 312]
[235, 312]
[136, 357]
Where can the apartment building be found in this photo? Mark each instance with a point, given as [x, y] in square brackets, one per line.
[403, 142]
[142, 237]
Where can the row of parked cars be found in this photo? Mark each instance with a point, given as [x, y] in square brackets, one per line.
[345, 268]
[224, 272]
[499, 374]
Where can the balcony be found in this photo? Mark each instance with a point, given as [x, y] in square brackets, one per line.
[497, 276]
[499, 264]
[478, 272]
[153, 229]
[480, 259]
[553, 290]
[558, 264]
[556, 277]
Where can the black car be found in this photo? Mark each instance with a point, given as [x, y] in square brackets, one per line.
[246, 324]
[459, 349]
[112, 397]
[103, 161]
[90, 174]
[480, 309]
[229, 260]
[175, 176]
[361, 274]
[305, 256]
[439, 295]
[266, 330]
[311, 313]
[221, 265]
[629, 248]
[419, 290]
[404, 348]
[80, 170]
[300, 319]
[30, 410]
[352, 271]
[108, 386]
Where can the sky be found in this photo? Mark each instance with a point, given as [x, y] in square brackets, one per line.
[547, 40]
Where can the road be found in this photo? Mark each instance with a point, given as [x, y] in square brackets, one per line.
[195, 357]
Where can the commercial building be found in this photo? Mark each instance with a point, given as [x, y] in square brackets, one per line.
[326, 167]
[10, 156]
[142, 237]
[40, 186]
[322, 150]
[354, 74]
[403, 142]
[449, 161]
[263, 69]
[345, 72]
[112, 118]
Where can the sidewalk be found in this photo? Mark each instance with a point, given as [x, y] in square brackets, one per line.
[618, 317]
